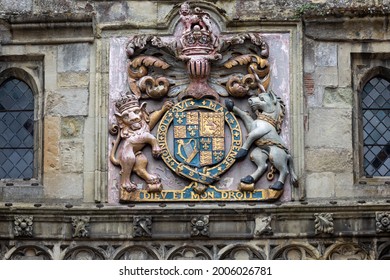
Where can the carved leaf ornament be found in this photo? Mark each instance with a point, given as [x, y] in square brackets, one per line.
[323, 223]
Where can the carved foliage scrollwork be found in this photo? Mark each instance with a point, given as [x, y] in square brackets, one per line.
[80, 226]
[136, 253]
[184, 63]
[30, 253]
[383, 251]
[295, 252]
[256, 63]
[84, 253]
[189, 253]
[348, 252]
[142, 226]
[23, 226]
[200, 226]
[263, 226]
[242, 252]
[323, 223]
[382, 222]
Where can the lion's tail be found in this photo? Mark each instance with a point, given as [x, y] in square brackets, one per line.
[115, 144]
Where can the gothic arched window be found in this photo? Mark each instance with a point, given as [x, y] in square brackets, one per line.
[375, 105]
[16, 130]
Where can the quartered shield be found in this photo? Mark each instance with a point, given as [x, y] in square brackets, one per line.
[199, 138]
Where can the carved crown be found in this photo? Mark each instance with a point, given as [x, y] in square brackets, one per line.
[126, 102]
[197, 37]
[197, 41]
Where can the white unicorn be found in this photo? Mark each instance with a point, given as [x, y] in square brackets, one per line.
[264, 132]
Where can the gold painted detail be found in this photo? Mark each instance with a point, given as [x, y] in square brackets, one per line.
[180, 131]
[206, 158]
[218, 143]
[199, 152]
[268, 119]
[211, 194]
[212, 124]
[192, 117]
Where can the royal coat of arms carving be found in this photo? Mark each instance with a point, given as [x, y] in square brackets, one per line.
[198, 79]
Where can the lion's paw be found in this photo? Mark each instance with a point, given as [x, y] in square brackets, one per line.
[129, 187]
[156, 152]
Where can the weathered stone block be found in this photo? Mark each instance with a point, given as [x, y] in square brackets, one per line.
[89, 183]
[338, 97]
[111, 11]
[51, 140]
[72, 79]
[50, 61]
[90, 150]
[5, 30]
[124, 229]
[344, 185]
[316, 98]
[73, 58]
[72, 127]
[247, 9]
[123, 11]
[42, 6]
[365, 29]
[12, 6]
[72, 156]
[326, 54]
[137, 11]
[68, 102]
[221, 228]
[331, 128]
[344, 65]
[326, 76]
[31, 194]
[63, 186]
[329, 160]
[308, 58]
[320, 185]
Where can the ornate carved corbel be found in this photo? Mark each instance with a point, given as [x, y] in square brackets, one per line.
[23, 226]
[323, 223]
[142, 226]
[382, 222]
[200, 225]
[80, 226]
[263, 226]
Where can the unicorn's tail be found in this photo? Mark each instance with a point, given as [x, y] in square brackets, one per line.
[293, 176]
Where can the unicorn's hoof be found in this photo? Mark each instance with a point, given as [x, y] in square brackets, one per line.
[248, 180]
[241, 154]
[278, 186]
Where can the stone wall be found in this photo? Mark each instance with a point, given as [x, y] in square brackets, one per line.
[332, 73]
[63, 101]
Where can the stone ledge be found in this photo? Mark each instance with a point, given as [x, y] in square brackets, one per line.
[290, 226]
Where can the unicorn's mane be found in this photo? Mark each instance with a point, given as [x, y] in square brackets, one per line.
[282, 112]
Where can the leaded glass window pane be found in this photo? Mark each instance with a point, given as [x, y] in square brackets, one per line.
[376, 127]
[16, 130]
